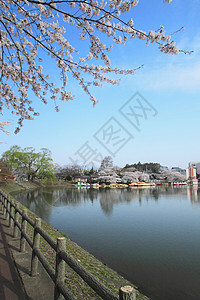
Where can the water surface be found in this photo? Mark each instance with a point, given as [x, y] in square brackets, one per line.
[151, 236]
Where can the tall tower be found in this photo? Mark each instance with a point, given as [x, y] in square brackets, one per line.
[191, 173]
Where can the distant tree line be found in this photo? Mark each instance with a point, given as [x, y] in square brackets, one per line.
[145, 167]
[31, 165]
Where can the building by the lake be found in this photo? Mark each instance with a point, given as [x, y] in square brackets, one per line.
[193, 172]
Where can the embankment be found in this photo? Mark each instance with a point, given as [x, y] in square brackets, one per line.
[80, 289]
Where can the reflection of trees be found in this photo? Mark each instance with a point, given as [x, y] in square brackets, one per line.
[109, 198]
[42, 200]
[74, 197]
[36, 202]
[155, 194]
[91, 194]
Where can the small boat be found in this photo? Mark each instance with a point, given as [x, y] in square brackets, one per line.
[179, 183]
[123, 185]
[141, 184]
[113, 185]
[78, 184]
[103, 185]
[81, 184]
[94, 185]
[132, 185]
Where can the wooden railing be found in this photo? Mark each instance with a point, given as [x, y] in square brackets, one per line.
[12, 212]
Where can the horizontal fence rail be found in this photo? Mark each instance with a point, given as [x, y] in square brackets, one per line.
[13, 214]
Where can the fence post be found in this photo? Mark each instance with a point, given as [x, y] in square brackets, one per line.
[127, 292]
[16, 230]
[1, 200]
[36, 245]
[60, 267]
[23, 231]
[11, 213]
[5, 205]
[8, 209]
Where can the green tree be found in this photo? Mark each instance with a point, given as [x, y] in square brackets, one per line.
[145, 167]
[27, 162]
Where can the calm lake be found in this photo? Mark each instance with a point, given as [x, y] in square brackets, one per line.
[151, 236]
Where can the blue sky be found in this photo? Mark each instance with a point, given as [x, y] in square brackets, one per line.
[170, 84]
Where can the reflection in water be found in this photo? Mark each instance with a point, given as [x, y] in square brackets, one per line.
[193, 194]
[37, 202]
[151, 236]
[41, 201]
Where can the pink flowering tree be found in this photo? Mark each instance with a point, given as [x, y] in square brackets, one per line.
[172, 176]
[107, 175]
[34, 31]
[2, 126]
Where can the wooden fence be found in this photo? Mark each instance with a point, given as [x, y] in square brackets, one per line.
[61, 291]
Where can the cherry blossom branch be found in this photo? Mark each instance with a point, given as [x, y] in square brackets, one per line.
[2, 126]
[30, 28]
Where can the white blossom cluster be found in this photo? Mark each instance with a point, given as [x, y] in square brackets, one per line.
[2, 126]
[107, 175]
[173, 176]
[135, 176]
[32, 29]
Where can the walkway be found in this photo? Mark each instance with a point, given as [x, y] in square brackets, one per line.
[11, 287]
[15, 280]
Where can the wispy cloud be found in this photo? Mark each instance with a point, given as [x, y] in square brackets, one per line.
[179, 73]
[173, 77]
[161, 73]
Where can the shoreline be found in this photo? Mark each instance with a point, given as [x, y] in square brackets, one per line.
[81, 290]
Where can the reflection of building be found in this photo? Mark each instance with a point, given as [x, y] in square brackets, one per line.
[193, 195]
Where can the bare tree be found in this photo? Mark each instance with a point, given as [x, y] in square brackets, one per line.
[68, 173]
[106, 163]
